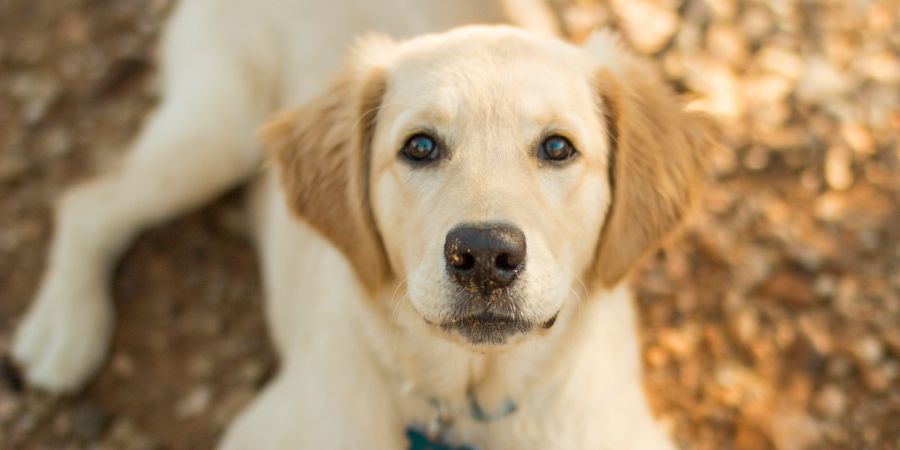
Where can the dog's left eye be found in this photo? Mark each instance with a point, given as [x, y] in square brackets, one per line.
[556, 148]
[420, 148]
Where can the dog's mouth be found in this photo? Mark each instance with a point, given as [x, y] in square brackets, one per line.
[489, 324]
[487, 328]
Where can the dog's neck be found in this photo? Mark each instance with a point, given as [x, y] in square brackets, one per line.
[424, 363]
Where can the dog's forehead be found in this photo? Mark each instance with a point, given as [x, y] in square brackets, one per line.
[487, 72]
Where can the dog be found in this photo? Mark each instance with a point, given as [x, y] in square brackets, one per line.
[444, 220]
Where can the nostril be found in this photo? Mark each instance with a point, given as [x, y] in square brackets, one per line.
[506, 262]
[463, 261]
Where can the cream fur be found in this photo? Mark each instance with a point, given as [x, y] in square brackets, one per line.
[359, 363]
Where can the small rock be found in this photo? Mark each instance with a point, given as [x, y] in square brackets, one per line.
[757, 158]
[877, 379]
[74, 28]
[196, 402]
[36, 93]
[785, 334]
[200, 367]
[746, 325]
[881, 17]
[252, 373]
[38, 407]
[871, 434]
[62, 424]
[123, 435]
[822, 82]
[756, 22]
[58, 142]
[840, 48]
[715, 341]
[89, 422]
[12, 168]
[838, 174]
[678, 266]
[689, 42]
[233, 221]
[656, 356]
[648, 25]
[869, 240]
[811, 182]
[858, 137]
[123, 365]
[9, 406]
[831, 207]
[795, 430]
[839, 367]
[825, 286]
[882, 66]
[892, 339]
[787, 63]
[721, 87]
[789, 287]
[582, 19]
[868, 350]
[212, 324]
[736, 385]
[817, 334]
[726, 43]
[831, 401]
[723, 9]
[767, 89]
[680, 341]
[770, 132]
[748, 436]
[725, 162]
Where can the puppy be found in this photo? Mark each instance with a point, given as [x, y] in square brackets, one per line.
[443, 230]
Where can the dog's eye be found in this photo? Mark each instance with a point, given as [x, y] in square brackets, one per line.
[420, 148]
[556, 148]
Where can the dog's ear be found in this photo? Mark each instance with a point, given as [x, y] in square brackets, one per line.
[657, 163]
[322, 151]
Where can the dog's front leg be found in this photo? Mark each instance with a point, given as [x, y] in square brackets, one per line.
[319, 405]
[198, 144]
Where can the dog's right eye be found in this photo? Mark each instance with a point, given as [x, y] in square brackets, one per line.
[556, 149]
[420, 148]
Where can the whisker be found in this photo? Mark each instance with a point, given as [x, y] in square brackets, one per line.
[581, 298]
[584, 288]
[365, 114]
[395, 309]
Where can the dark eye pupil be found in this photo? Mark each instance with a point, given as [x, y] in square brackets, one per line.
[557, 148]
[419, 147]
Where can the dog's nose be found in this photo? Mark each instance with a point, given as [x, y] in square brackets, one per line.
[486, 257]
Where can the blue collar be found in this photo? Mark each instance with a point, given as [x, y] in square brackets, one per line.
[477, 413]
[434, 438]
[419, 441]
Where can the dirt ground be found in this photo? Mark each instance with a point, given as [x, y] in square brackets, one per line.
[774, 322]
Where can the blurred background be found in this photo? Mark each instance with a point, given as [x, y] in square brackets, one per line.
[773, 323]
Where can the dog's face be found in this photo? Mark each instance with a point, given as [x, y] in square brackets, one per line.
[489, 180]
[494, 172]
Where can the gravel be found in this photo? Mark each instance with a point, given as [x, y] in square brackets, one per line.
[772, 323]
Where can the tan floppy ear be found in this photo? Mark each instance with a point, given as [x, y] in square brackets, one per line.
[321, 152]
[658, 162]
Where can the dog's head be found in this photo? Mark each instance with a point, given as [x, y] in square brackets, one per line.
[497, 172]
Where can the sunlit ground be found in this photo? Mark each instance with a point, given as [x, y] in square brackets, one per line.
[773, 323]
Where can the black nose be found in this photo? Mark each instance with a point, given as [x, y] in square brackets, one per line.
[485, 257]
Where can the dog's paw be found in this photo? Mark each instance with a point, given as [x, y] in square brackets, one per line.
[63, 341]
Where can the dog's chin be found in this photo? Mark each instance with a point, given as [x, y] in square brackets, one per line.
[486, 325]
[487, 331]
